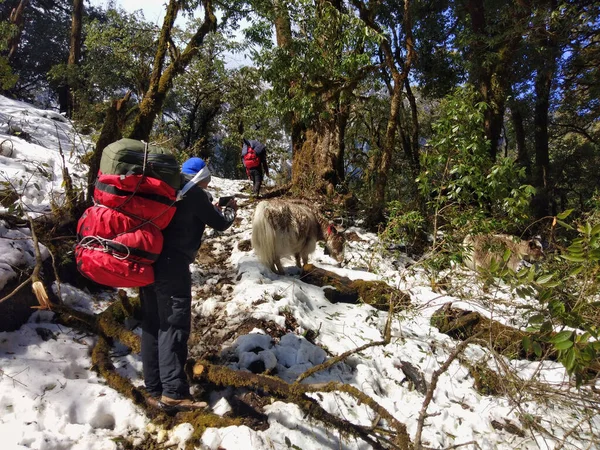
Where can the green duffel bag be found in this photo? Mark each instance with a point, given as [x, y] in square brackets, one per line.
[131, 157]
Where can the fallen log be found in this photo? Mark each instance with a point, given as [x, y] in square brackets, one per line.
[204, 372]
[461, 324]
[339, 289]
[108, 324]
[503, 339]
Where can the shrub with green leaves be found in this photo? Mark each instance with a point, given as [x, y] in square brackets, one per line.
[568, 291]
[403, 227]
[464, 185]
[466, 190]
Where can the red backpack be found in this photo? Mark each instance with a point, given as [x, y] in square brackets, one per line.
[120, 236]
[251, 159]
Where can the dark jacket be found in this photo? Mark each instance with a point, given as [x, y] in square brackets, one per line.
[183, 236]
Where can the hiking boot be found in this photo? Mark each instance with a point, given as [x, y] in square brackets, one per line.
[184, 404]
[154, 401]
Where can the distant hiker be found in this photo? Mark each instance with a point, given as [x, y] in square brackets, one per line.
[166, 304]
[254, 157]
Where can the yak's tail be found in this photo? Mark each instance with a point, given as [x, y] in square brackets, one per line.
[263, 236]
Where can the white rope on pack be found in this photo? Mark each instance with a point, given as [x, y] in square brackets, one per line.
[145, 157]
[101, 244]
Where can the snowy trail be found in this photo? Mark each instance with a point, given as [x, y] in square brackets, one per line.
[247, 317]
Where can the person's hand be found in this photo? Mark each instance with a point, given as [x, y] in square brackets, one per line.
[232, 204]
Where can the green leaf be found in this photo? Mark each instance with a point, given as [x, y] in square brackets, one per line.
[587, 355]
[576, 271]
[563, 215]
[546, 327]
[565, 225]
[595, 230]
[569, 361]
[545, 295]
[537, 349]
[573, 258]
[544, 278]
[576, 246]
[561, 337]
[537, 318]
[563, 345]
[526, 342]
[583, 338]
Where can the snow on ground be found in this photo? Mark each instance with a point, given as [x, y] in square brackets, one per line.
[51, 399]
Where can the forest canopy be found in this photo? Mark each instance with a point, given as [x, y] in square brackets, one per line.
[351, 93]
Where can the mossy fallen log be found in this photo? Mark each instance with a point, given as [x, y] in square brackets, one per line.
[102, 363]
[201, 420]
[339, 289]
[486, 380]
[109, 323]
[503, 339]
[204, 372]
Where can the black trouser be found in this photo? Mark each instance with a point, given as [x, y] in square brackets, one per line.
[166, 323]
[256, 175]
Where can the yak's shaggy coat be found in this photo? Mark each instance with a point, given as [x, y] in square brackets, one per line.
[482, 249]
[282, 228]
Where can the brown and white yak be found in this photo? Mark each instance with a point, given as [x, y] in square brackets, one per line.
[287, 227]
[480, 250]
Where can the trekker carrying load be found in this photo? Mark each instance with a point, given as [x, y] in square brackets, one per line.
[254, 157]
[166, 304]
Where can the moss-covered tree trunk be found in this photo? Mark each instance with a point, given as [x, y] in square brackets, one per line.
[318, 164]
[66, 100]
[318, 148]
[284, 39]
[17, 18]
[380, 169]
[112, 130]
[74, 52]
[162, 81]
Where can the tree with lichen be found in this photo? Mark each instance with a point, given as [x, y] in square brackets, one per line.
[165, 70]
[322, 54]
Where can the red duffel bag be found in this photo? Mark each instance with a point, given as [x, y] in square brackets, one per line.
[115, 249]
[120, 237]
